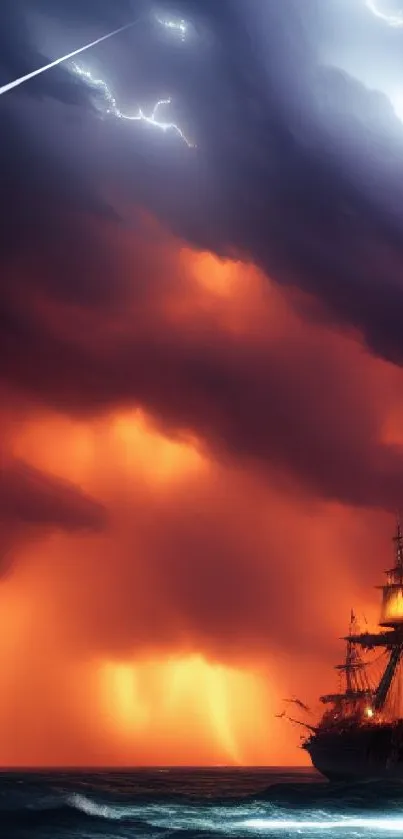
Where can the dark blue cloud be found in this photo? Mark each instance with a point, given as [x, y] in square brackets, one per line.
[298, 167]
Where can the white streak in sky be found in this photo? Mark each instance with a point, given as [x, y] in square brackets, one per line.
[113, 109]
[395, 19]
[11, 85]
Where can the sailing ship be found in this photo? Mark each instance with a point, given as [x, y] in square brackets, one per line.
[360, 735]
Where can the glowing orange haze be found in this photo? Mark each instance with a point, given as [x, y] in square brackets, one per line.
[62, 703]
[102, 661]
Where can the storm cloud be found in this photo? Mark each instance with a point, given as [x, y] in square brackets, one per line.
[205, 341]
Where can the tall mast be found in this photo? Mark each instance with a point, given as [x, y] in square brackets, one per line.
[348, 665]
[398, 540]
[352, 661]
[356, 683]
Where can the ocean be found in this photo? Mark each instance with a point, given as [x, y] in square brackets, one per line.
[194, 804]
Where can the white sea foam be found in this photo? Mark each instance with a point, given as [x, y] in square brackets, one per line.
[92, 808]
[242, 820]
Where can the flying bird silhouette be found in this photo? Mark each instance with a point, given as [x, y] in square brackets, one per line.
[300, 704]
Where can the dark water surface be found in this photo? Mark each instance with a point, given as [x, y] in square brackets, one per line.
[190, 803]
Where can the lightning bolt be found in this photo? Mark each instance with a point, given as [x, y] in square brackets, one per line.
[395, 20]
[178, 26]
[113, 109]
[17, 82]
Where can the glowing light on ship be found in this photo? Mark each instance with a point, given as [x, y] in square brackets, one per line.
[392, 609]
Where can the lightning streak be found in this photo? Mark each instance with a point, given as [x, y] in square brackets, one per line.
[113, 109]
[395, 20]
[17, 82]
[178, 26]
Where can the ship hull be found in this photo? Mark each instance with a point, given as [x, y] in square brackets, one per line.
[374, 753]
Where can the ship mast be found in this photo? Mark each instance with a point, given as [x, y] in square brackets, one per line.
[349, 665]
[353, 667]
[391, 620]
[356, 683]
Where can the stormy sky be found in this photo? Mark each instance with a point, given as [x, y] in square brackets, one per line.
[201, 343]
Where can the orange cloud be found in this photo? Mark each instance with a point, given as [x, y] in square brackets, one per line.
[233, 549]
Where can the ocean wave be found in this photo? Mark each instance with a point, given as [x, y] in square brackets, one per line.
[93, 808]
[291, 809]
[241, 818]
[338, 797]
